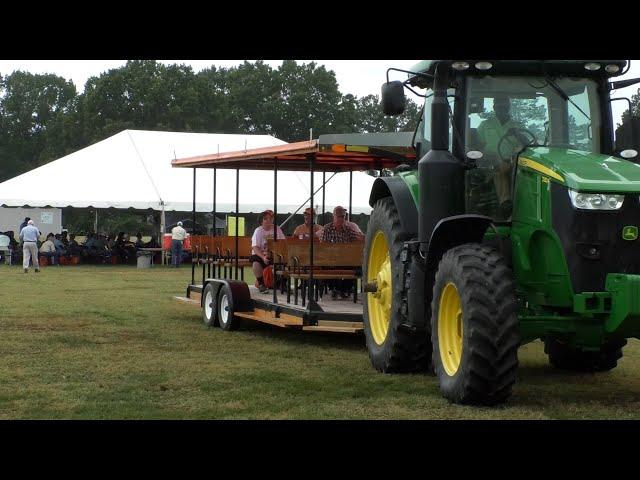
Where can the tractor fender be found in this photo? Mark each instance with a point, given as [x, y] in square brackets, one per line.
[239, 291]
[396, 188]
[453, 231]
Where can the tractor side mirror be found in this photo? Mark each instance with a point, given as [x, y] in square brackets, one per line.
[628, 138]
[393, 101]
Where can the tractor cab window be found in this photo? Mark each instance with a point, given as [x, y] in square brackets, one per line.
[505, 115]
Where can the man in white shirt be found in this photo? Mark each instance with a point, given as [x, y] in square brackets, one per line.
[29, 236]
[178, 234]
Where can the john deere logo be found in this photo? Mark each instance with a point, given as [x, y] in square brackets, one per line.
[630, 233]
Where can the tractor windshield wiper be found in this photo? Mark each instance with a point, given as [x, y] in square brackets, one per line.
[564, 95]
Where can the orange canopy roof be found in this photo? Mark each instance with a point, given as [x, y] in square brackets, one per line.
[295, 156]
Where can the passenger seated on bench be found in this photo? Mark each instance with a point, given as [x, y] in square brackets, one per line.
[302, 231]
[48, 250]
[259, 240]
[340, 231]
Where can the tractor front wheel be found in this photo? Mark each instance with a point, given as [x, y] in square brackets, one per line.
[391, 349]
[474, 326]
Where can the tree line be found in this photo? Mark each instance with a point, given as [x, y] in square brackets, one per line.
[43, 117]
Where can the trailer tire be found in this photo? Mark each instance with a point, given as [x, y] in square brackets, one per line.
[209, 307]
[391, 349]
[226, 317]
[474, 326]
[565, 357]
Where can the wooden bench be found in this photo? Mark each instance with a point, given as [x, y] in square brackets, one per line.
[331, 261]
[220, 252]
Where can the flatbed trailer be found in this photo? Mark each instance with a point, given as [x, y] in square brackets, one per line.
[225, 300]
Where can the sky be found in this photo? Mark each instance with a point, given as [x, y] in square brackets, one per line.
[358, 77]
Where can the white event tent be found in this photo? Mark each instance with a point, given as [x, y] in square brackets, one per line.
[132, 169]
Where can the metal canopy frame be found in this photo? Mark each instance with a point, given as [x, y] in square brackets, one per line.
[301, 156]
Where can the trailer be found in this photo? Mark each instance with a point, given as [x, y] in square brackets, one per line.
[297, 300]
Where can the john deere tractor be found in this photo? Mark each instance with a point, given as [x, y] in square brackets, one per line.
[519, 221]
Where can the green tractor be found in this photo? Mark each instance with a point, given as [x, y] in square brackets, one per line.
[519, 222]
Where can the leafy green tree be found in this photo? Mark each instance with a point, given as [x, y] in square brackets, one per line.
[30, 105]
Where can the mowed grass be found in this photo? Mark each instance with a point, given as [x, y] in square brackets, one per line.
[111, 342]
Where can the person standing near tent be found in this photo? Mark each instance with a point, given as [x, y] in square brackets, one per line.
[29, 236]
[178, 234]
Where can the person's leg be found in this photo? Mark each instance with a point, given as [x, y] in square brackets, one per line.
[258, 267]
[179, 250]
[26, 256]
[34, 256]
[174, 253]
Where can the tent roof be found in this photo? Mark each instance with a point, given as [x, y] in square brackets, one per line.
[132, 169]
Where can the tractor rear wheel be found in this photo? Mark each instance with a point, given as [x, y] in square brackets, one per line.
[391, 349]
[474, 326]
[566, 357]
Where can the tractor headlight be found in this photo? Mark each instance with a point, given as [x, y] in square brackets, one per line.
[596, 201]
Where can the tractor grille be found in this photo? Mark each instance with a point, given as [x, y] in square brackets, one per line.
[592, 240]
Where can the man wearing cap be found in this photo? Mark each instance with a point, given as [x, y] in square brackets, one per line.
[341, 231]
[178, 234]
[261, 235]
[29, 237]
[302, 231]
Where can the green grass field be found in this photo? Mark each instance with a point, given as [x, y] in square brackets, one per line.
[110, 342]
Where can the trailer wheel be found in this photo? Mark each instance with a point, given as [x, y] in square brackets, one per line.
[474, 327]
[566, 357]
[209, 307]
[226, 318]
[391, 349]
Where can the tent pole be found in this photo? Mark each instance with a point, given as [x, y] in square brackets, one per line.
[95, 223]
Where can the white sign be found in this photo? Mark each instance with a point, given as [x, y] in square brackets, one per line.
[46, 217]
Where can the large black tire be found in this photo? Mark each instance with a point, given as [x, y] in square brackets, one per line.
[209, 307]
[226, 317]
[399, 351]
[482, 353]
[565, 357]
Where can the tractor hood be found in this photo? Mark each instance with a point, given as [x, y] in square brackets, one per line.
[583, 171]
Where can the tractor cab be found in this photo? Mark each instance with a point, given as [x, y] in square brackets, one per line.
[497, 110]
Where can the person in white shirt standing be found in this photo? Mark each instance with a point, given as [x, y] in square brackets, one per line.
[29, 237]
[178, 234]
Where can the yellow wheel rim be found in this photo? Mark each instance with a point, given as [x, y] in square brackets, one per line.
[450, 329]
[379, 302]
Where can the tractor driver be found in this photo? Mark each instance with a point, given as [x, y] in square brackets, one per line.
[500, 138]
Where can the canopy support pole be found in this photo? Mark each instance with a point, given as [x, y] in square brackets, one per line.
[275, 227]
[237, 226]
[311, 303]
[162, 229]
[95, 223]
[350, 191]
[215, 223]
[193, 265]
[323, 192]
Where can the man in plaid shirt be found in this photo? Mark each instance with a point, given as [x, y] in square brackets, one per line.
[341, 231]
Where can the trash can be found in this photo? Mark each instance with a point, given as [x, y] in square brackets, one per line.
[144, 259]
